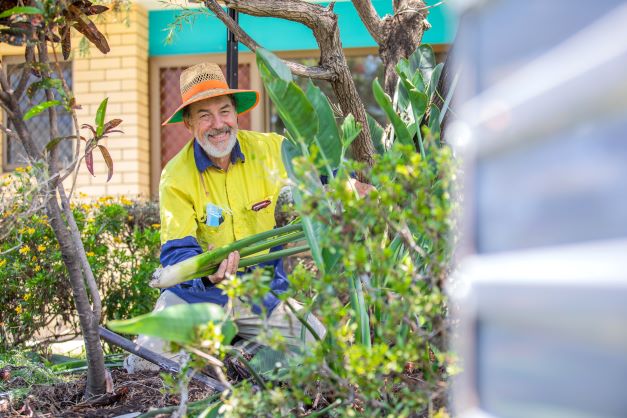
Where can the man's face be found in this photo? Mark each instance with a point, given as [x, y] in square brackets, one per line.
[213, 122]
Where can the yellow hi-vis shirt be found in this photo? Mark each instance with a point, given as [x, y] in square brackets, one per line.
[245, 195]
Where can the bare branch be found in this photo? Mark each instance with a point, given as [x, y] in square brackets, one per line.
[317, 72]
[9, 132]
[21, 85]
[370, 18]
[309, 14]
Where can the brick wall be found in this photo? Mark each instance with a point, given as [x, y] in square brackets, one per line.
[122, 76]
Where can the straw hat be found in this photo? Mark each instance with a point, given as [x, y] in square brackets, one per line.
[203, 81]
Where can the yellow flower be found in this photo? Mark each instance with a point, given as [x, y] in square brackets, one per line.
[18, 309]
[156, 225]
[41, 248]
[90, 253]
[129, 217]
[20, 169]
[85, 207]
[27, 296]
[33, 258]
[125, 201]
[24, 249]
[37, 267]
[3, 262]
[30, 231]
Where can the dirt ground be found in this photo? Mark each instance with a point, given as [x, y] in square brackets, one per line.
[137, 392]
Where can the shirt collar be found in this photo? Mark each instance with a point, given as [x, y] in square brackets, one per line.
[203, 161]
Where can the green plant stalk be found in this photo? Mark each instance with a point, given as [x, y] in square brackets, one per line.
[254, 249]
[361, 310]
[172, 279]
[194, 267]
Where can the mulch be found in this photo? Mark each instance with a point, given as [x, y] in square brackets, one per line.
[138, 392]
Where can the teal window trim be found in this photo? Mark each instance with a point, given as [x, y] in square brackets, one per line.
[208, 34]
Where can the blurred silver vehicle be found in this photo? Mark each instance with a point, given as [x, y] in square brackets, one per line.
[542, 280]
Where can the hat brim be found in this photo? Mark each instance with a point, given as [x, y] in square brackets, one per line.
[245, 101]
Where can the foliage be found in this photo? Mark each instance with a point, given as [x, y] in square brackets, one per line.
[121, 241]
[381, 262]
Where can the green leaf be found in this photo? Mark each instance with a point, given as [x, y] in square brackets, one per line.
[434, 122]
[177, 323]
[328, 135]
[266, 359]
[350, 129]
[376, 133]
[400, 129]
[289, 151]
[417, 99]
[24, 10]
[423, 60]
[435, 79]
[35, 110]
[294, 109]
[46, 83]
[419, 103]
[100, 116]
[274, 64]
[358, 303]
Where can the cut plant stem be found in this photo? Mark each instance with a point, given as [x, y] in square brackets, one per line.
[207, 263]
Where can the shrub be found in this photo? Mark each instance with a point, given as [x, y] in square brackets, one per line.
[122, 243]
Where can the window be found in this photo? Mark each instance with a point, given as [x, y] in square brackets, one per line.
[39, 126]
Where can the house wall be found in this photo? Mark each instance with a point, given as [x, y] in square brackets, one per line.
[122, 76]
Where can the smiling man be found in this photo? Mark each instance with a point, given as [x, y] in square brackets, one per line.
[221, 187]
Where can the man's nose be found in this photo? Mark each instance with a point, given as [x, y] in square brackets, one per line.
[218, 122]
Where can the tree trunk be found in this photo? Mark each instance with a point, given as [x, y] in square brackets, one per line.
[401, 33]
[88, 321]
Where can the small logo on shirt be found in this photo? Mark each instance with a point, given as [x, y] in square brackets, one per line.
[260, 205]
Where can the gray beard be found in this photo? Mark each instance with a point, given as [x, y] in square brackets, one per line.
[213, 152]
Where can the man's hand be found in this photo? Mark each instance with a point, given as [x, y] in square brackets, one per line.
[227, 268]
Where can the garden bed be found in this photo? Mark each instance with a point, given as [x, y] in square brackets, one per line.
[137, 392]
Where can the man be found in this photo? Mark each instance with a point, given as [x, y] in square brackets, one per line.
[221, 187]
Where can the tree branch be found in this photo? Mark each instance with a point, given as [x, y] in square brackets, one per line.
[309, 14]
[370, 18]
[319, 73]
[30, 57]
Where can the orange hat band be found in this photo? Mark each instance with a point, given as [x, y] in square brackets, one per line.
[205, 85]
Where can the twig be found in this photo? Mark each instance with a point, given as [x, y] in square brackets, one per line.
[9, 132]
[298, 316]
